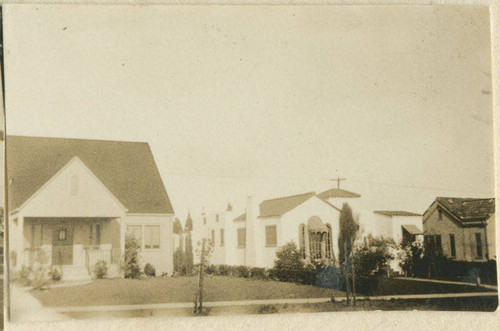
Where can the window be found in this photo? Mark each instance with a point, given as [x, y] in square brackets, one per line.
[74, 185]
[479, 246]
[440, 215]
[212, 237]
[152, 236]
[432, 244]
[136, 231]
[453, 252]
[328, 252]
[242, 233]
[62, 235]
[271, 239]
[216, 217]
[222, 237]
[439, 247]
[315, 245]
[95, 235]
[204, 220]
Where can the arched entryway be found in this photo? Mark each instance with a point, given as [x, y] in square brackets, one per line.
[315, 239]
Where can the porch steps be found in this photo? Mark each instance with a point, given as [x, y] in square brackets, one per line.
[75, 273]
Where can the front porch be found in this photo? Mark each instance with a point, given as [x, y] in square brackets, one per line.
[73, 245]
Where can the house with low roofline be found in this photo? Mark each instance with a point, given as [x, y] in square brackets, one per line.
[74, 200]
[398, 225]
[461, 228]
[252, 238]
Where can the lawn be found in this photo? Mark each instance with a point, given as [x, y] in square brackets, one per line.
[175, 289]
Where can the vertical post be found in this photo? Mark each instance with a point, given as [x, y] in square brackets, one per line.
[20, 228]
[122, 240]
[200, 278]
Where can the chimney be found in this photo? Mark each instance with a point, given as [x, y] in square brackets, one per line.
[250, 250]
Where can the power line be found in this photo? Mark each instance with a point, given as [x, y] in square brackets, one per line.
[327, 178]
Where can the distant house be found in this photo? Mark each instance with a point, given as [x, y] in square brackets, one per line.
[253, 238]
[461, 228]
[398, 225]
[74, 200]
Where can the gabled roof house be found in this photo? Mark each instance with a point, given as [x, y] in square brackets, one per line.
[74, 200]
[461, 228]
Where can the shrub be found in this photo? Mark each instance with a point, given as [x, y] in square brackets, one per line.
[131, 263]
[288, 265]
[371, 261]
[100, 269]
[258, 273]
[179, 262]
[149, 270]
[223, 270]
[242, 271]
[210, 269]
[38, 274]
[330, 277]
[55, 274]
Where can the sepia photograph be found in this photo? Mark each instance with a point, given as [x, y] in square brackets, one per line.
[177, 161]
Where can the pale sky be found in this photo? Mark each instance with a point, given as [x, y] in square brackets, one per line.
[266, 101]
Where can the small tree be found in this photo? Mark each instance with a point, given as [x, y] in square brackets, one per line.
[132, 268]
[188, 258]
[348, 228]
[177, 229]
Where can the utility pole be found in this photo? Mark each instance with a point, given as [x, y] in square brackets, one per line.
[338, 180]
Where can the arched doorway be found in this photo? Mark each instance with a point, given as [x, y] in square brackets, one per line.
[316, 239]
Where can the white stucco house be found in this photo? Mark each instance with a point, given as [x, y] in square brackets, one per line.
[73, 201]
[253, 238]
[398, 225]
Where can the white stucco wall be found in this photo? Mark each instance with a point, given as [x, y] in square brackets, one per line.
[161, 258]
[91, 198]
[383, 227]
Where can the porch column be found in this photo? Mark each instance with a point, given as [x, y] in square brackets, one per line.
[20, 229]
[122, 238]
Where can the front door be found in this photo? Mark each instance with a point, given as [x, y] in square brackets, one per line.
[62, 244]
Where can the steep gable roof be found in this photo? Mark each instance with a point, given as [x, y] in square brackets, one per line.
[395, 213]
[280, 206]
[337, 193]
[468, 209]
[127, 169]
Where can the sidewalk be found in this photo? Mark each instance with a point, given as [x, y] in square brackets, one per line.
[265, 302]
[25, 308]
[491, 287]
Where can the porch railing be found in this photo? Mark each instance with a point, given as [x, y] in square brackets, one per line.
[94, 255]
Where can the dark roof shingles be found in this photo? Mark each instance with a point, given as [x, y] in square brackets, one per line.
[468, 209]
[127, 169]
[279, 206]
